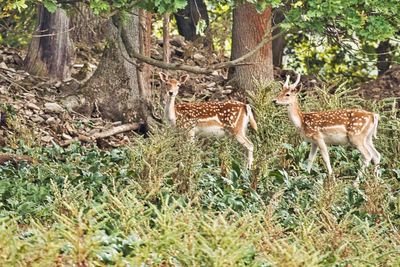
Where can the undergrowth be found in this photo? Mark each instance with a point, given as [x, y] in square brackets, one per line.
[168, 201]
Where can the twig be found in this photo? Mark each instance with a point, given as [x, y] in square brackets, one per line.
[11, 81]
[50, 34]
[9, 70]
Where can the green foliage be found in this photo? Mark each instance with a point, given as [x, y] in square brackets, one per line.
[16, 22]
[317, 55]
[340, 37]
[368, 21]
[332, 38]
[220, 13]
[50, 5]
[163, 6]
[168, 201]
[11, 5]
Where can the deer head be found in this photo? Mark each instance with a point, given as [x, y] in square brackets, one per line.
[172, 85]
[288, 95]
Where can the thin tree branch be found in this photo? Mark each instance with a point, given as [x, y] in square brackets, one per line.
[266, 38]
[50, 34]
[210, 69]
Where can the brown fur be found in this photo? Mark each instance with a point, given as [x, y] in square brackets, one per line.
[210, 117]
[324, 128]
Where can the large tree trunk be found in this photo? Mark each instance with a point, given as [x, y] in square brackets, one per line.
[187, 18]
[115, 89]
[51, 51]
[248, 29]
[86, 27]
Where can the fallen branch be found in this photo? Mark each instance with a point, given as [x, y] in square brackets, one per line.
[116, 130]
[15, 159]
[7, 69]
[15, 83]
[100, 135]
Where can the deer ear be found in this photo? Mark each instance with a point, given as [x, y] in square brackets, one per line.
[295, 89]
[163, 76]
[183, 78]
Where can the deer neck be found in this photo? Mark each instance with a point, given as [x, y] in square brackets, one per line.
[170, 110]
[295, 115]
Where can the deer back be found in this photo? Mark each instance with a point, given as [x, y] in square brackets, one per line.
[352, 121]
[224, 114]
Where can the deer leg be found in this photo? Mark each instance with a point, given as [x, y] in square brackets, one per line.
[376, 157]
[191, 134]
[242, 139]
[325, 155]
[361, 145]
[311, 156]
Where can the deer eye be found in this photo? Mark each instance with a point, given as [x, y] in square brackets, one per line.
[287, 94]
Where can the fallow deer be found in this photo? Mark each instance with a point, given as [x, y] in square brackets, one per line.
[334, 127]
[209, 118]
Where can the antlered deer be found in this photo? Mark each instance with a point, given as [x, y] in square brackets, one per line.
[210, 118]
[335, 127]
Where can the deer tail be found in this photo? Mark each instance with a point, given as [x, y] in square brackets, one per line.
[252, 121]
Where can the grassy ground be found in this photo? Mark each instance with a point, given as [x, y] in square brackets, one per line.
[164, 201]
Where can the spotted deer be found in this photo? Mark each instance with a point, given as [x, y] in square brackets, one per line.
[335, 127]
[209, 118]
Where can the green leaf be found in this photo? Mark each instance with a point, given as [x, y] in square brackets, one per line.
[51, 6]
[19, 5]
[179, 4]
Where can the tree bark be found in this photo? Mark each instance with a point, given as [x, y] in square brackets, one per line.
[384, 57]
[248, 30]
[114, 89]
[51, 51]
[187, 18]
[145, 72]
[86, 27]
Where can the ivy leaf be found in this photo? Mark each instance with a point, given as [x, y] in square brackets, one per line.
[261, 6]
[179, 4]
[51, 6]
[201, 27]
[99, 6]
[19, 5]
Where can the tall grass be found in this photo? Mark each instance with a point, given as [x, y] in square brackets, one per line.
[168, 201]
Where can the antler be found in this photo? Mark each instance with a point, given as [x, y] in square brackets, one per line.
[287, 81]
[297, 80]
